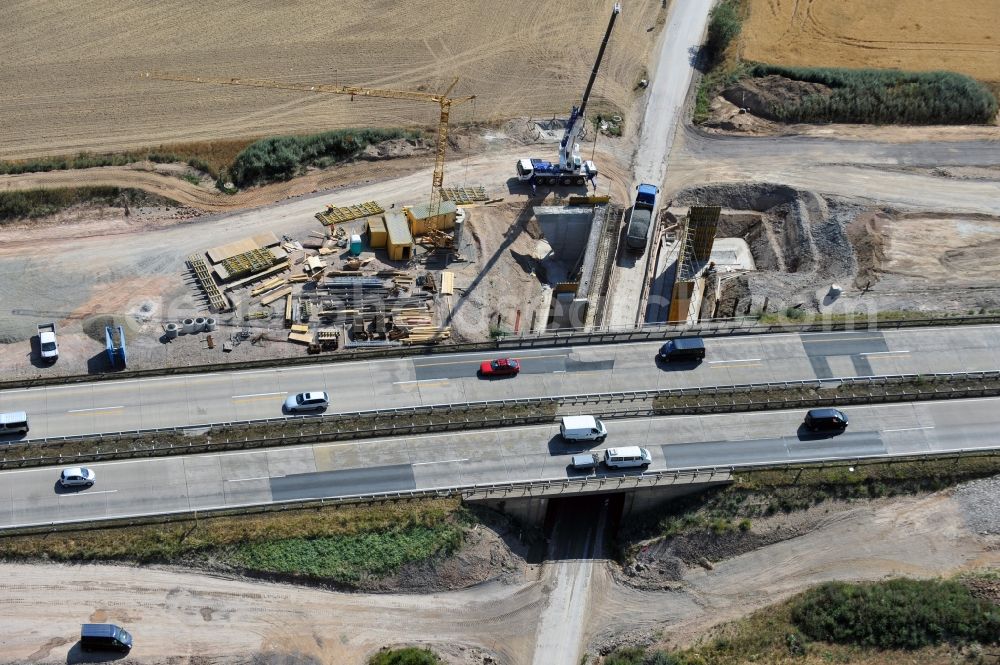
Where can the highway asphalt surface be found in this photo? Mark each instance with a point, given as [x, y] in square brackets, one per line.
[226, 396]
[200, 482]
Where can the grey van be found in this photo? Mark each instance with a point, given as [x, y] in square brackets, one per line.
[15, 422]
[682, 348]
[104, 637]
[627, 457]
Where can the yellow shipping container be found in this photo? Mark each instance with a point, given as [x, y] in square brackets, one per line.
[420, 220]
[377, 235]
[399, 242]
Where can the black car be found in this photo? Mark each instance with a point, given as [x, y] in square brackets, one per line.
[825, 420]
[682, 348]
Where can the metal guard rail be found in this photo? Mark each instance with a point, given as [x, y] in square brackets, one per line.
[584, 399]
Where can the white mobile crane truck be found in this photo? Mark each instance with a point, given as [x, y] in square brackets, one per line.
[571, 169]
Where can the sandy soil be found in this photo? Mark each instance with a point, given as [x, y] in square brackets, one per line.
[920, 35]
[176, 616]
[500, 282]
[82, 90]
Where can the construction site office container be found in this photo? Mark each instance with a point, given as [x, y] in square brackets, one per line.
[376, 233]
[399, 241]
[420, 220]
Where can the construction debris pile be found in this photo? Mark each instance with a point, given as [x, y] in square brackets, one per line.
[383, 307]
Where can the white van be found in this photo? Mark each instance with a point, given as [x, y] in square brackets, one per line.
[582, 428]
[15, 422]
[629, 456]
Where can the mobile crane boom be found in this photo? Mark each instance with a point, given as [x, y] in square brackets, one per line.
[571, 169]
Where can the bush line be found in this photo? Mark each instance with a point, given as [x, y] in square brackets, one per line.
[31, 203]
[833, 621]
[284, 157]
[874, 96]
[331, 544]
[884, 96]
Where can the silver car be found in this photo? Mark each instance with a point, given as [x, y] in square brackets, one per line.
[312, 401]
[77, 476]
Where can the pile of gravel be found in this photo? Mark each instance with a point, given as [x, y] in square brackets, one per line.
[980, 501]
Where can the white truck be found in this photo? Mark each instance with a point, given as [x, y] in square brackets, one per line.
[47, 344]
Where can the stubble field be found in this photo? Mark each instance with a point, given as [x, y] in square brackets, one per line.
[71, 69]
[921, 35]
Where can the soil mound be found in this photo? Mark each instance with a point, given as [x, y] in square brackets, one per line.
[395, 148]
[764, 95]
[94, 326]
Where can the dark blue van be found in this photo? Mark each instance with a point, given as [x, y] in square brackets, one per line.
[104, 637]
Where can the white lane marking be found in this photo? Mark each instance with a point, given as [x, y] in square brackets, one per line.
[96, 408]
[906, 429]
[61, 496]
[284, 392]
[744, 360]
[443, 461]
[881, 353]
[396, 383]
[559, 371]
[240, 480]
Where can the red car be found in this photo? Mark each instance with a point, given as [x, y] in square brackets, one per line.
[500, 367]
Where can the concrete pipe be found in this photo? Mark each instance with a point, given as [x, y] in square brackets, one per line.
[199, 324]
[187, 326]
[171, 330]
[210, 324]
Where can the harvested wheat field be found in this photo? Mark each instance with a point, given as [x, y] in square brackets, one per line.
[81, 90]
[920, 35]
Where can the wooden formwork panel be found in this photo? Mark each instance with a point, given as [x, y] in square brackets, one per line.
[216, 300]
[462, 195]
[339, 215]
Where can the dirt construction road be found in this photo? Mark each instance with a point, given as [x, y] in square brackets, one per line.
[180, 617]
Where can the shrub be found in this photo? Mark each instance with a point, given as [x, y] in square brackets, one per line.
[405, 656]
[346, 559]
[724, 24]
[30, 203]
[640, 656]
[884, 96]
[630, 656]
[282, 157]
[898, 614]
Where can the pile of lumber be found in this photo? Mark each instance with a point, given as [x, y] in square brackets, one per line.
[267, 286]
[427, 335]
[300, 334]
[436, 238]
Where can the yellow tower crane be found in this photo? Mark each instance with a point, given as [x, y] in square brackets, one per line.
[443, 100]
